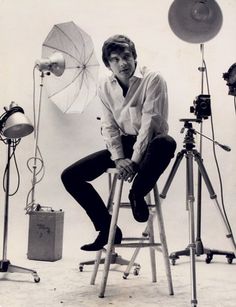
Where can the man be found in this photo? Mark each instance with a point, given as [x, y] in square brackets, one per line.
[134, 127]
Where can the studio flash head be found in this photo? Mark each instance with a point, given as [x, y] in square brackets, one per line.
[230, 78]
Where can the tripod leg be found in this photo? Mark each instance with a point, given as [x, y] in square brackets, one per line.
[175, 255]
[173, 171]
[190, 206]
[214, 196]
[199, 244]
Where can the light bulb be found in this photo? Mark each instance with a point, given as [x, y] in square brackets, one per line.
[200, 11]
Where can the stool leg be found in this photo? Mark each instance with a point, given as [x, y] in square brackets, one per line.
[96, 266]
[111, 239]
[163, 240]
[151, 239]
[112, 186]
[112, 189]
[152, 251]
[137, 249]
[132, 263]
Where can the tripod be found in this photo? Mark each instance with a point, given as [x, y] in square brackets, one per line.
[5, 265]
[191, 153]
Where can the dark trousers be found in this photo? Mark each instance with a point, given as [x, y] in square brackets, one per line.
[77, 177]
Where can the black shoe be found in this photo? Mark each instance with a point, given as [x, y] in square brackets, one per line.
[139, 208]
[102, 239]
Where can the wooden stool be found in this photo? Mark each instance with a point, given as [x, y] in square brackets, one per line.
[137, 243]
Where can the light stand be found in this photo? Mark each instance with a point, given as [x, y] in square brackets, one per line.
[35, 171]
[11, 127]
[54, 64]
[199, 245]
[192, 154]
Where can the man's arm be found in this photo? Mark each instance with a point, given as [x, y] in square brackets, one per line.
[112, 138]
[110, 130]
[154, 115]
[111, 134]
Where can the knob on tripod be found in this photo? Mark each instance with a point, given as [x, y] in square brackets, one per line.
[189, 142]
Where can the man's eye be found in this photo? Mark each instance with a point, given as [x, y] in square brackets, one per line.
[114, 59]
[127, 57]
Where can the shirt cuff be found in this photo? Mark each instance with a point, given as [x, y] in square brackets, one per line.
[116, 154]
[136, 157]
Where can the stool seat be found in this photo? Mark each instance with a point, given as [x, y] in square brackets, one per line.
[112, 170]
[114, 204]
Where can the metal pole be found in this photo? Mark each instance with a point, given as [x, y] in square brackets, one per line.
[199, 245]
[36, 137]
[5, 231]
[192, 245]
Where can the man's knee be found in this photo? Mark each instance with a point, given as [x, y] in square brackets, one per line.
[66, 177]
[165, 144]
[171, 145]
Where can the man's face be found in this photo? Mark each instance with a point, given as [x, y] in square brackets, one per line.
[122, 64]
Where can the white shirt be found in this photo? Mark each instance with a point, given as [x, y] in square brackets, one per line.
[143, 112]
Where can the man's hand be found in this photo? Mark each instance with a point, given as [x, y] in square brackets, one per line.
[127, 169]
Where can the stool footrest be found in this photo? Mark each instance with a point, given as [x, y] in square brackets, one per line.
[135, 239]
[140, 244]
[127, 205]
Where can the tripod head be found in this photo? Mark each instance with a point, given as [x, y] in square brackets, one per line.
[188, 121]
[189, 136]
[189, 142]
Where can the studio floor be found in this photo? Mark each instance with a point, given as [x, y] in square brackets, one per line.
[63, 284]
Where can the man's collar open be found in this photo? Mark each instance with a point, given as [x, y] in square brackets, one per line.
[138, 73]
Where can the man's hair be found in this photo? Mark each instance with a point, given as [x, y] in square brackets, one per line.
[117, 43]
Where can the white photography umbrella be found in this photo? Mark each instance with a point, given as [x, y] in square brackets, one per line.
[76, 87]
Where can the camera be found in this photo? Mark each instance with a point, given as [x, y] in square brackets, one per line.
[201, 106]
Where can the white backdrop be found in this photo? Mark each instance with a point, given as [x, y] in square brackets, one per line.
[65, 138]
